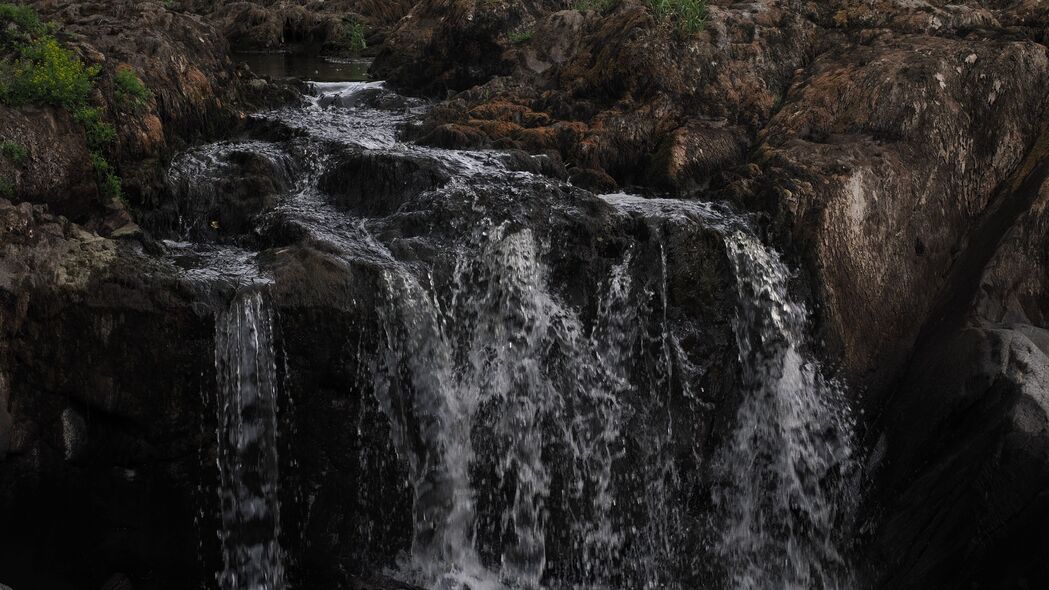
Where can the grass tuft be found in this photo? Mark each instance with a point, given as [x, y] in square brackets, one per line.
[518, 37]
[352, 36]
[130, 90]
[690, 16]
[14, 152]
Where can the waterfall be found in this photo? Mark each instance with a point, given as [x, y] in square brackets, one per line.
[501, 381]
[782, 469]
[246, 371]
[553, 434]
[779, 475]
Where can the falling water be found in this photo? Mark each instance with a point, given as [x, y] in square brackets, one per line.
[781, 471]
[542, 439]
[499, 373]
[247, 446]
[779, 474]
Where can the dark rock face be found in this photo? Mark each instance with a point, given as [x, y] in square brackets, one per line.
[968, 427]
[104, 420]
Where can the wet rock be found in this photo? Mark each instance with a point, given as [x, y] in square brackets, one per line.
[220, 195]
[548, 164]
[372, 97]
[378, 184]
[118, 582]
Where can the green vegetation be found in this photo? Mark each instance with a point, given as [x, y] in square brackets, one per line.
[108, 181]
[99, 133]
[130, 90]
[689, 15]
[36, 69]
[517, 37]
[14, 152]
[26, 21]
[46, 73]
[352, 35]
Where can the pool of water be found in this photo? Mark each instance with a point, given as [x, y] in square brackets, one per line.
[319, 69]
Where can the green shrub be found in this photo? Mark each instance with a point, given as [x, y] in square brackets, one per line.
[46, 73]
[109, 183]
[14, 152]
[352, 36]
[130, 90]
[689, 15]
[24, 18]
[521, 36]
[99, 133]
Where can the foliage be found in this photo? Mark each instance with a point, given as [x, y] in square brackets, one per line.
[689, 15]
[521, 36]
[25, 20]
[99, 133]
[353, 36]
[108, 182]
[130, 90]
[46, 73]
[14, 152]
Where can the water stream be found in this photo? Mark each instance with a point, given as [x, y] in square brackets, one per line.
[245, 364]
[781, 474]
[548, 403]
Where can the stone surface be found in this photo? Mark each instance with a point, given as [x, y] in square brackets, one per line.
[301, 24]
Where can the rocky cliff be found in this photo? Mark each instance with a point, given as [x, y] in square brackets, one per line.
[897, 151]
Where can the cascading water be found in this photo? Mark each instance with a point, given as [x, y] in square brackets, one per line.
[504, 376]
[780, 474]
[246, 370]
[783, 469]
[549, 439]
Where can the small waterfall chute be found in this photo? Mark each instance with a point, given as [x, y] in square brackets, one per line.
[246, 371]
